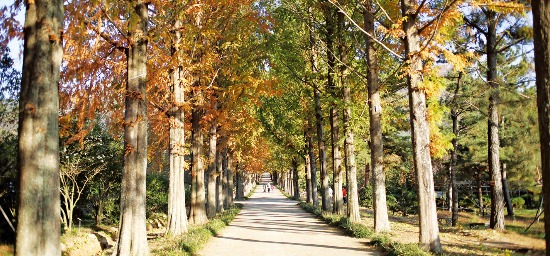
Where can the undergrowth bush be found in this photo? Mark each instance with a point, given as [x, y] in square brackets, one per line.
[197, 236]
[362, 231]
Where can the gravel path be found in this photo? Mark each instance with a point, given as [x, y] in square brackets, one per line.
[271, 224]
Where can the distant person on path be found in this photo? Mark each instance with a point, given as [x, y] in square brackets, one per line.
[268, 188]
[265, 187]
[345, 194]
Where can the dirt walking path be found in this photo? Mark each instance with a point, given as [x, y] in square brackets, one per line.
[271, 224]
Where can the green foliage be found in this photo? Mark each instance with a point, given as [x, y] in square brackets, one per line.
[9, 89]
[518, 202]
[195, 239]
[197, 236]
[365, 196]
[362, 231]
[393, 248]
[157, 193]
[356, 230]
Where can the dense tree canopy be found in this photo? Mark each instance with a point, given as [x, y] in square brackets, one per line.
[399, 102]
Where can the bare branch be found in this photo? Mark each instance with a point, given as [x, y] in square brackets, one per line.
[367, 33]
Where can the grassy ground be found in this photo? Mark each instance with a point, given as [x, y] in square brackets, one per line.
[459, 240]
[466, 240]
[196, 238]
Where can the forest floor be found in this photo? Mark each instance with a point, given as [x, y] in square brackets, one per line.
[475, 240]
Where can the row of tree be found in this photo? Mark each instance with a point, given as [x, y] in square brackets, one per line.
[131, 66]
[259, 79]
[451, 65]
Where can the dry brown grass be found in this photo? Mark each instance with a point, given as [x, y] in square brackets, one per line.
[463, 240]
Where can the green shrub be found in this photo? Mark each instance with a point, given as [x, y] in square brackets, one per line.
[394, 248]
[356, 230]
[197, 236]
[518, 202]
[157, 193]
[365, 196]
[362, 231]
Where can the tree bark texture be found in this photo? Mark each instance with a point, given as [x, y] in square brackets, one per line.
[132, 238]
[240, 184]
[230, 179]
[429, 230]
[351, 167]
[212, 174]
[541, 28]
[312, 162]
[497, 196]
[197, 214]
[225, 185]
[177, 214]
[38, 221]
[325, 199]
[381, 221]
[455, 117]
[307, 167]
[337, 176]
[219, 181]
[453, 169]
[296, 188]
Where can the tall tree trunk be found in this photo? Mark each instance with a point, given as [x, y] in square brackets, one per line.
[240, 183]
[455, 117]
[312, 162]
[325, 199]
[197, 215]
[295, 180]
[541, 28]
[351, 168]
[38, 222]
[452, 169]
[212, 174]
[99, 213]
[225, 159]
[219, 181]
[338, 206]
[367, 174]
[429, 230]
[132, 238]
[506, 191]
[230, 179]
[177, 214]
[497, 196]
[319, 119]
[381, 221]
[307, 167]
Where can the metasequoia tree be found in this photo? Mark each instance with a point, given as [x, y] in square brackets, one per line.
[319, 117]
[132, 238]
[381, 221]
[349, 140]
[329, 13]
[177, 214]
[38, 222]
[541, 28]
[417, 36]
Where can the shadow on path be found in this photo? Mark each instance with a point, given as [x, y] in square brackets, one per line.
[271, 224]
